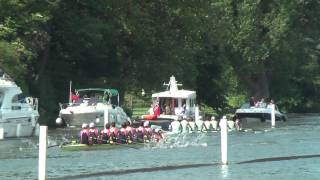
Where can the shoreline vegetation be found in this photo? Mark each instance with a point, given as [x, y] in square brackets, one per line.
[226, 52]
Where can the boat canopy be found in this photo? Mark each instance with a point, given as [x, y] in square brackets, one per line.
[112, 92]
[176, 94]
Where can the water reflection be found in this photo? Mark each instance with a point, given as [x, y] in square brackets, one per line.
[224, 171]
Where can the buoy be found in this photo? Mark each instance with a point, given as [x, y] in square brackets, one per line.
[59, 121]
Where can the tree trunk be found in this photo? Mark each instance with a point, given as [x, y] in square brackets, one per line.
[258, 84]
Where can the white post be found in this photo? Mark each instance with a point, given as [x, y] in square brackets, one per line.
[106, 117]
[273, 116]
[18, 130]
[224, 140]
[1, 133]
[42, 152]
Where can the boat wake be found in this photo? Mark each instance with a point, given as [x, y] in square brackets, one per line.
[180, 141]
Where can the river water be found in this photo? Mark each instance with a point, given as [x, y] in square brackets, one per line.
[289, 151]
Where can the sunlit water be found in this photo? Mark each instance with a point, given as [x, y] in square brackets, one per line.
[195, 156]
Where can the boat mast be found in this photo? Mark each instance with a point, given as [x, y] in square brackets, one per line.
[70, 92]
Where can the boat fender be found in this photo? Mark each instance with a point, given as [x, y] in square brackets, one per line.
[29, 100]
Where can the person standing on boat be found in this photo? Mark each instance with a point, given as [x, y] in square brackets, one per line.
[262, 103]
[105, 134]
[271, 102]
[114, 133]
[156, 109]
[252, 102]
[75, 97]
[238, 123]
[93, 134]
[84, 134]
[168, 110]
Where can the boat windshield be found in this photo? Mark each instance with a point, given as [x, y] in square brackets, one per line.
[93, 96]
[245, 106]
[19, 98]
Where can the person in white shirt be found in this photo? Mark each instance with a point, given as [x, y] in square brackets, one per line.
[175, 126]
[184, 125]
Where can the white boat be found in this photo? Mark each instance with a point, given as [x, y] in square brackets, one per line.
[173, 103]
[91, 106]
[262, 113]
[18, 114]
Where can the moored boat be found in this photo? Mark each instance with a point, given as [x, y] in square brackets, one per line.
[262, 113]
[90, 105]
[172, 104]
[18, 113]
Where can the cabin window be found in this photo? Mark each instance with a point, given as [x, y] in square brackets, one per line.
[19, 98]
[192, 102]
[15, 99]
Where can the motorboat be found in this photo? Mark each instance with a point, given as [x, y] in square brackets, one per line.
[261, 112]
[172, 104]
[91, 105]
[18, 113]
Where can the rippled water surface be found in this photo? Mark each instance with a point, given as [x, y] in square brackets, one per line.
[289, 151]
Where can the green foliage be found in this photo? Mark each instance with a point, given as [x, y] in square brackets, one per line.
[227, 50]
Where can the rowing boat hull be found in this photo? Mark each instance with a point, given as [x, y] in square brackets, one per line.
[95, 147]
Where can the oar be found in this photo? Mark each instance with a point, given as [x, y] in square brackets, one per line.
[64, 143]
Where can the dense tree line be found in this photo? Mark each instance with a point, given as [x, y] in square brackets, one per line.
[228, 50]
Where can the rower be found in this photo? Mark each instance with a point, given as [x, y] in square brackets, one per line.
[105, 134]
[200, 125]
[114, 131]
[123, 134]
[192, 125]
[84, 133]
[157, 135]
[93, 134]
[131, 133]
[207, 125]
[175, 126]
[148, 131]
[214, 123]
[140, 131]
[184, 125]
